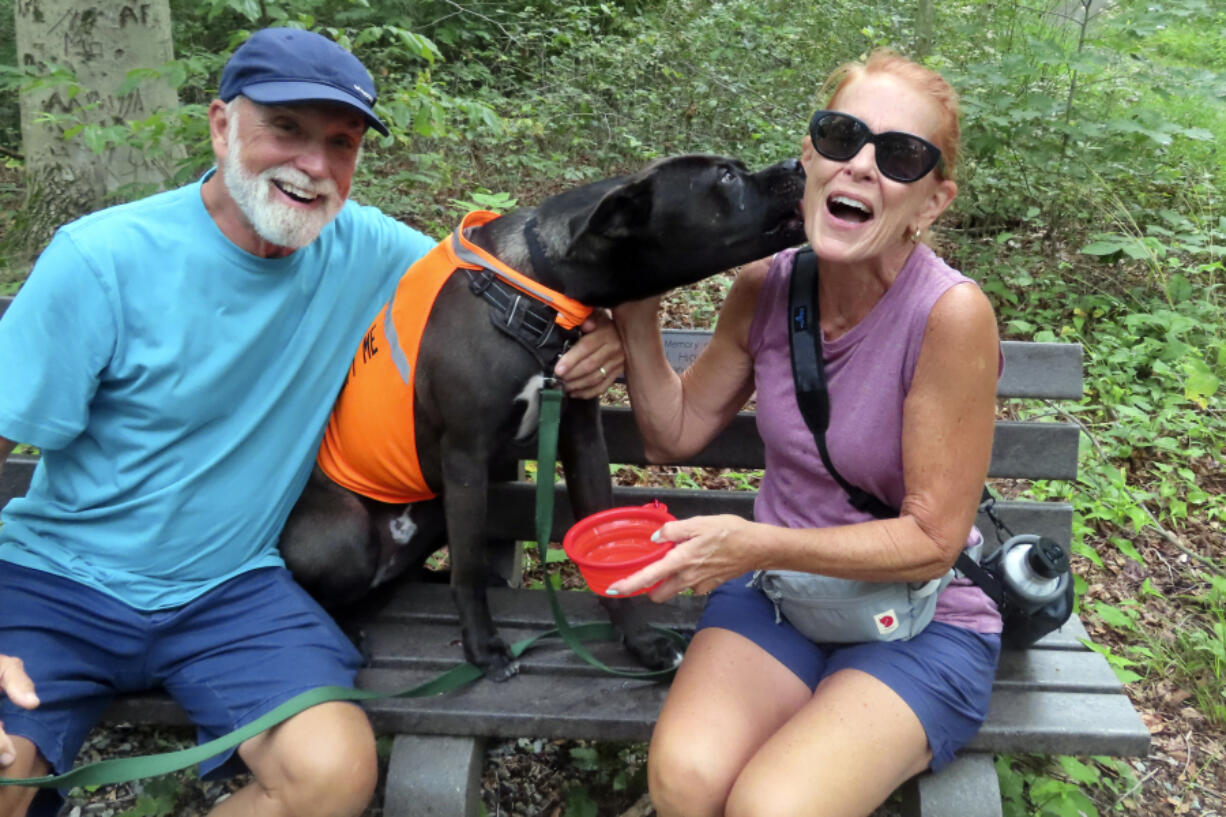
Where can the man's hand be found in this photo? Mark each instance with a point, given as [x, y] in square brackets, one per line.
[20, 690]
[592, 364]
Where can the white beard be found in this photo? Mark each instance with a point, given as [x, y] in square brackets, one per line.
[275, 221]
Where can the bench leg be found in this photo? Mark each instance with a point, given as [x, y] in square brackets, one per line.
[434, 776]
[967, 787]
[506, 556]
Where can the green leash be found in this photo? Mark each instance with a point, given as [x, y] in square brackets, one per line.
[121, 770]
[547, 450]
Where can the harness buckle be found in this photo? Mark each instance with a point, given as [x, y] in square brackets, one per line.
[479, 282]
[512, 316]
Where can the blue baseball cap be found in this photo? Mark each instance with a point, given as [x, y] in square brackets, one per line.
[283, 65]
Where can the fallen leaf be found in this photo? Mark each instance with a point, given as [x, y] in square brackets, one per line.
[1153, 722]
[1176, 697]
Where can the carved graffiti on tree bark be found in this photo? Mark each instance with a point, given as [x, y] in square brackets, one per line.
[99, 42]
[127, 14]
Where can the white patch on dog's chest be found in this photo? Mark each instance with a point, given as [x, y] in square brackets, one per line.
[530, 396]
[403, 527]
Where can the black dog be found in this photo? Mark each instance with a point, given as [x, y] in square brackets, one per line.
[483, 356]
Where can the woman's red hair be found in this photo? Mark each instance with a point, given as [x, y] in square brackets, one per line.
[928, 82]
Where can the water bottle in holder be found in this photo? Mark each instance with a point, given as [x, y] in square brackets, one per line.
[1038, 587]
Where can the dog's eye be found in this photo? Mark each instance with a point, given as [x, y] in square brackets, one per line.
[728, 176]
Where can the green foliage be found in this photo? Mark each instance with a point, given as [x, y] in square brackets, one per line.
[579, 802]
[485, 200]
[1194, 654]
[1150, 376]
[1058, 107]
[1062, 786]
[585, 89]
[156, 797]
[615, 767]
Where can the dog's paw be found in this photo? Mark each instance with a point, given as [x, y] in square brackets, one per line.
[501, 670]
[497, 662]
[653, 650]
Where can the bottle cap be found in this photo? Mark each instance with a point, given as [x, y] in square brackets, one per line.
[1047, 558]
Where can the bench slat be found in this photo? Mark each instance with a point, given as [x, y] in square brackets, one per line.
[621, 709]
[15, 476]
[604, 708]
[518, 607]
[737, 446]
[511, 506]
[1051, 519]
[1032, 369]
[1050, 371]
[1069, 637]
[598, 708]
[146, 709]
[1062, 723]
[1023, 450]
[529, 608]
[511, 510]
[436, 647]
[1056, 671]
[1020, 450]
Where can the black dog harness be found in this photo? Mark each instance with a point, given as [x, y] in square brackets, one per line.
[536, 317]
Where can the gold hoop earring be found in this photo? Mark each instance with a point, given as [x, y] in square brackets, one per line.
[915, 236]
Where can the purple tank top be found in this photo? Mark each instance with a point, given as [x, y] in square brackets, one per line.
[868, 374]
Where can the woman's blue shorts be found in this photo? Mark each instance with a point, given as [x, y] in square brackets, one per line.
[227, 658]
[944, 674]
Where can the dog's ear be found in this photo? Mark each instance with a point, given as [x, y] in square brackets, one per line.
[621, 213]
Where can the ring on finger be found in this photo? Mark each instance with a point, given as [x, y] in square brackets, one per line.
[603, 372]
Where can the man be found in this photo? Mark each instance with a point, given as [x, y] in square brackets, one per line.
[175, 359]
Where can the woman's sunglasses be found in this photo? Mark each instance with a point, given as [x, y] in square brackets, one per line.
[903, 157]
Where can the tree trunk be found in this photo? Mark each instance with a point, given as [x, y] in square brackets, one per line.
[923, 28]
[99, 42]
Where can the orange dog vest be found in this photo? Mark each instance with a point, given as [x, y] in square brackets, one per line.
[370, 445]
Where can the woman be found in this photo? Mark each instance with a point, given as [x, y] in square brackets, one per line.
[761, 720]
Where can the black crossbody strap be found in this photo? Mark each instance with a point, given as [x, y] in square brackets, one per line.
[804, 335]
[812, 397]
[987, 582]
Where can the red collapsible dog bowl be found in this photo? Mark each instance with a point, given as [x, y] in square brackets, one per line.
[612, 544]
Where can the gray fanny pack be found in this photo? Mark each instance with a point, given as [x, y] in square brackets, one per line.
[829, 610]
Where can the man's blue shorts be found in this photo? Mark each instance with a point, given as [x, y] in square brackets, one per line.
[944, 674]
[227, 658]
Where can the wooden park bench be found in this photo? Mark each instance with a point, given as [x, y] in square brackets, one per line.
[1058, 697]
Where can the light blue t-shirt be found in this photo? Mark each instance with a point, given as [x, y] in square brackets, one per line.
[178, 388]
